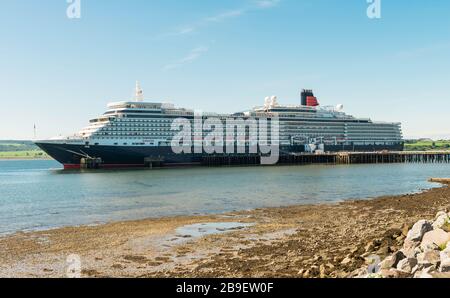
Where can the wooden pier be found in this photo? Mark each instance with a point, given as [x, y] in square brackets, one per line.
[393, 157]
[333, 158]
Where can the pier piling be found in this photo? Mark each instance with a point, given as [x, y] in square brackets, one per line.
[151, 162]
[90, 163]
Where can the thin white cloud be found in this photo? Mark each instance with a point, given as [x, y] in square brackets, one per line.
[186, 30]
[193, 55]
[267, 3]
[423, 51]
[225, 15]
[221, 17]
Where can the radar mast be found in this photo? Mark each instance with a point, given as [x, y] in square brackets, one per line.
[139, 93]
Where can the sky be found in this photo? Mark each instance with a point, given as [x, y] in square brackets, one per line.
[224, 56]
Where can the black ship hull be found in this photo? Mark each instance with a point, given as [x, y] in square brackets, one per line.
[72, 156]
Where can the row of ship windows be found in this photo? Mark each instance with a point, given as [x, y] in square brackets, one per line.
[374, 127]
[368, 140]
[341, 132]
[169, 120]
[154, 129]
[289, 125]
[374, 134]
[369, 129]
[387, 142]
[378, 141]
[363, 129]
[142, 124]
[338, 126]
[241, 134]
[348, 142]
[152, 134]
[167, 125]
[132, 129]
[373, 139]
[328, 131]
[284, 127]
[134, 120]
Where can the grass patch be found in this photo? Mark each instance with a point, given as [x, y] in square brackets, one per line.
[419, 145]
[27, 154]
[446, 226]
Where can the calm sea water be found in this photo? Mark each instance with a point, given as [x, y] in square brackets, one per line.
[39, 195]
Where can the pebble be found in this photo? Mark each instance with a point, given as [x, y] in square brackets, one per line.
[346, 261]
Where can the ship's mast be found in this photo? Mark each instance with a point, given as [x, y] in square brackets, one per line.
[139, 93]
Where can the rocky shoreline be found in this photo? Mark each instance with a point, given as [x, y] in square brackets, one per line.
[425, 252]
[329, 240]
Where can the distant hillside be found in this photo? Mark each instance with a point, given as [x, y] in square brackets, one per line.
[13, 149]
[10, 145]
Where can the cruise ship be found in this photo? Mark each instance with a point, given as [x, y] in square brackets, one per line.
[135, 133]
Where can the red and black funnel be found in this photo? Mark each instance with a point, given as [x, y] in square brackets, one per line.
[308, 98]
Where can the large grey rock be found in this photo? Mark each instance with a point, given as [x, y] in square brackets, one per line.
[439, 214]
[417, 251]
[416, 268]
[445, 266]
[425, 273]
[418, 230]
[429, 258]
[440, 221]
[359, 273]
[411, 252]
[445, 254]
[392, 261]
[437, 237]
[347, 260]
[410, 243]
[407, 264]
[393, 273]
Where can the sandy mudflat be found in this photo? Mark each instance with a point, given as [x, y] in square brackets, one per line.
[299, 241]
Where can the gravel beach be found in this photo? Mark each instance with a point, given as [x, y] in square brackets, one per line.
[328, 240]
